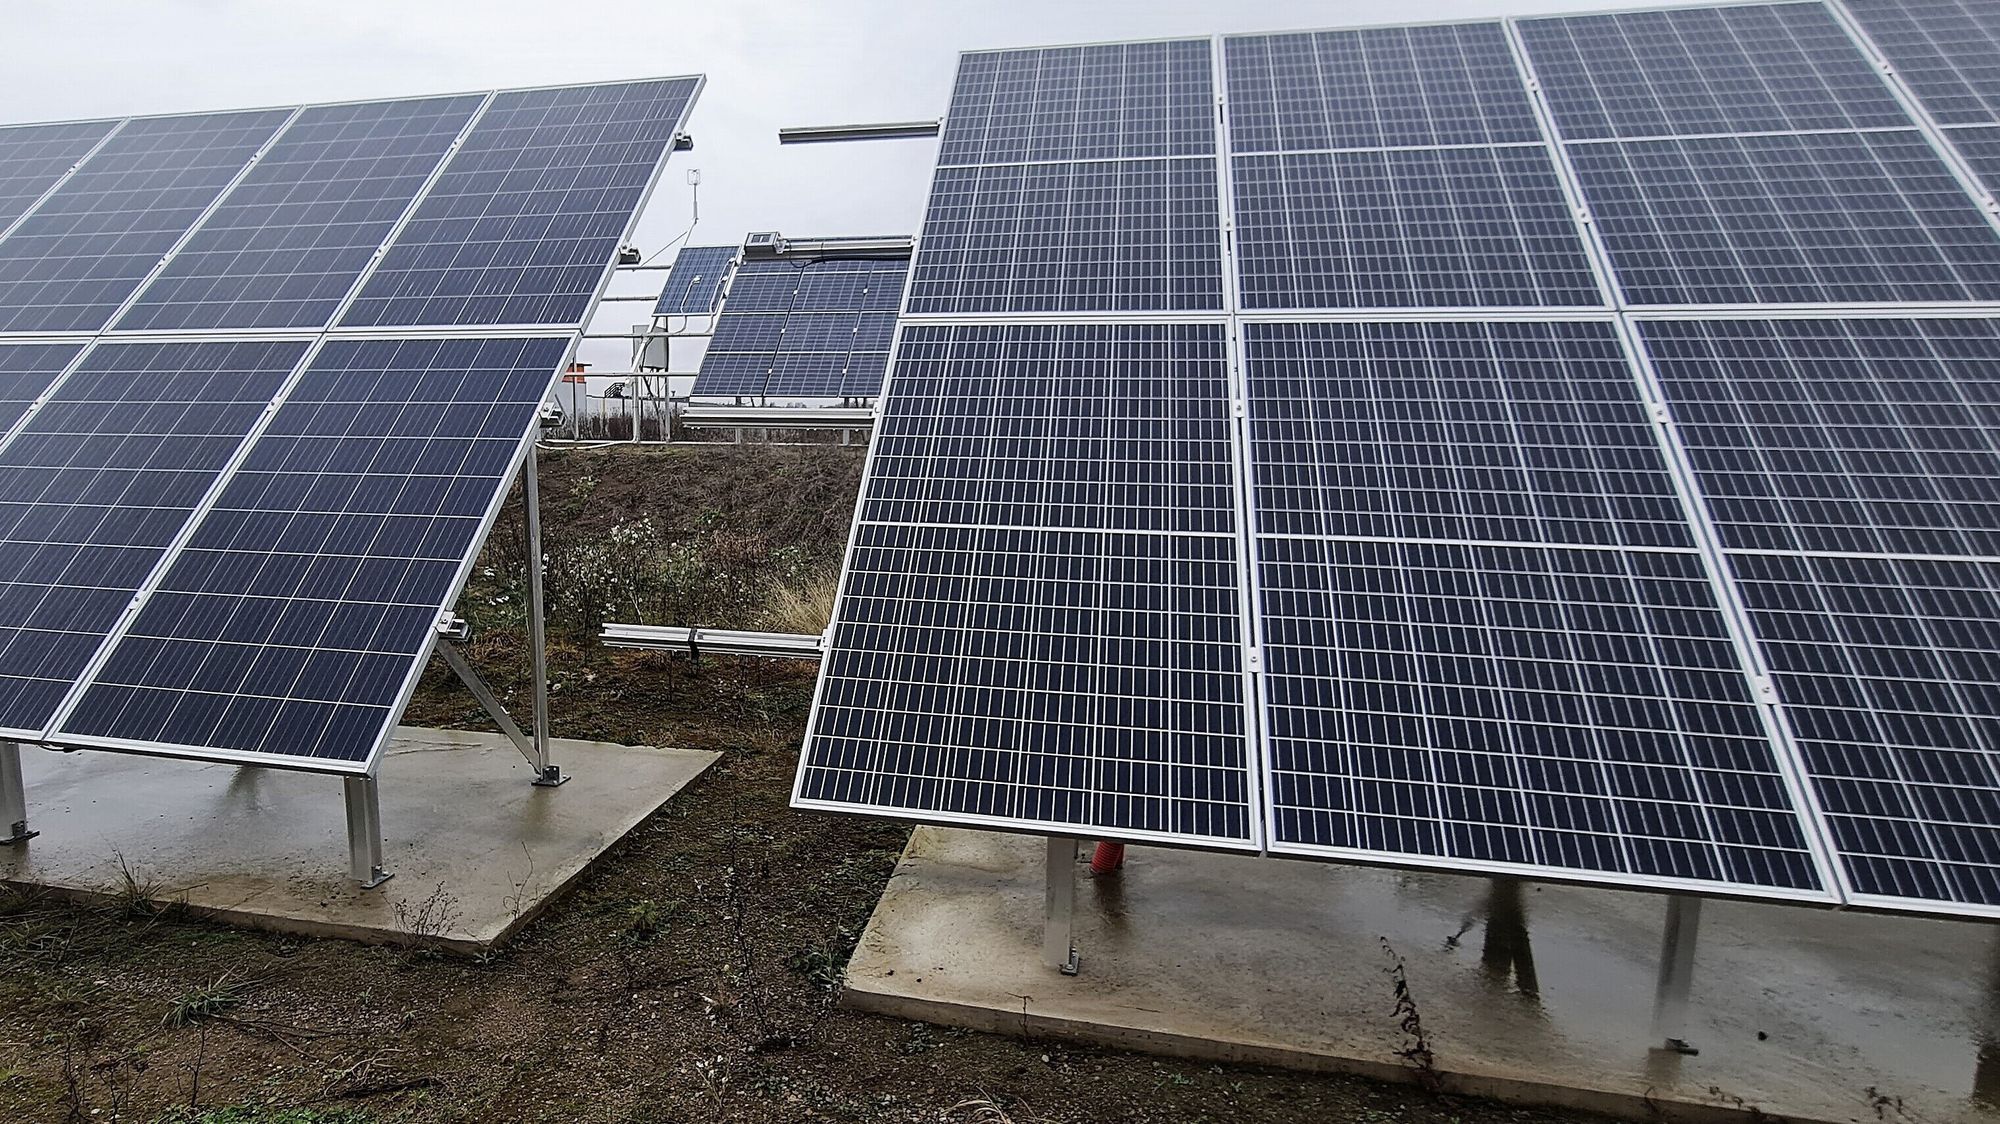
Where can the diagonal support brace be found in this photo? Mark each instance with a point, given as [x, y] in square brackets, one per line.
[488, 701]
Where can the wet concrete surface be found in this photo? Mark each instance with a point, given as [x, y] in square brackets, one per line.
[476, 850]
[1531, 992]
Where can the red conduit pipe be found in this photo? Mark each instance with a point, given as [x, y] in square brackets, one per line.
[1108, 858]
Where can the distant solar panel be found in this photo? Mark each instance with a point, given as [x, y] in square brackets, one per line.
[293, 624]
[288, 242]
[694, 283]
[804, 328]
[525, 219]
[33, 158]
[1034, 650]
[97, 486]
[1948, 51]
[74, 260]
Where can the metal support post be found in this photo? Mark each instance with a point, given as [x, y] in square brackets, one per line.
[364, 831]
[547, 773]
[13, 797]
[1059, 908]
[1670, 997]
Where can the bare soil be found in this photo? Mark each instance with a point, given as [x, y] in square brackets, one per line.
[691, 976]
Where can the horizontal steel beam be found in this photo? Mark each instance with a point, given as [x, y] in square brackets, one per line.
[778, 417]
[711, 641]
[822, 134]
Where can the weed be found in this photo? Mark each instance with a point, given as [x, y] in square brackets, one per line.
[824, 963]
[803, 607]
[425, 922]
[253, 1114]
[646, 918]
[224, 993]
[1416, 1048]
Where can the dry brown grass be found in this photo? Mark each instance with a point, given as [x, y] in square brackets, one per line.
[804, 607]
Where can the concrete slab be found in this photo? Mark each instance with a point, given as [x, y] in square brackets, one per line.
[476, 850]
[1533, 993]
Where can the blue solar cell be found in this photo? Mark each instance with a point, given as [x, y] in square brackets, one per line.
[26, 371]
[1526, 707]
[1465, 227]
[526, 219]
[297, 617]
[1125, 235]
[1728, 69]
[1868, 436]
[1788, 219]
[1947, 51]
[1498, 432]
[1021, 657]
[34, 157]
[288, 242]
[1393, 86]
[1979, 147]
[1886, 672]
[1082, 103]
[694, 284]
[804, 328]
[75, 260]
[98, 484]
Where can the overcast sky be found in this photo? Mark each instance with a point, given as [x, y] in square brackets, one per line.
[768, 65]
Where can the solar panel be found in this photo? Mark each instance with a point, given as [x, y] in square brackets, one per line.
[288, 242]
[1117, 100]
[1017, 645]
[1449, 678]
[1947, 51]
[1441, 84]
[295, 621]
[694, 283]
[1979, 147]
[522, 225]
[26, 371]
[1100, 236]
[1691, 71]
[804, 328]
[1788, 219]
[96, 487]
[1886, 670]
[1435, 227]
[74, 260]
[33, 158]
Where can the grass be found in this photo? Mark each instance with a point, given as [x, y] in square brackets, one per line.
[804, 607]
[251, 1114]
[224, 993]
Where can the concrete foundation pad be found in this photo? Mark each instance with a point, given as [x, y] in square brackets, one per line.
[476, 850]
[1527, 992]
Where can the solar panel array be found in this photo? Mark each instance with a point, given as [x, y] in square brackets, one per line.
[804, 327]
[1594, 417]
[235, 547]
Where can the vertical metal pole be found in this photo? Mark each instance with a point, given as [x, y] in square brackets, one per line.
[364, 831]
[547, 773]
[1670, 996]
[1059, 908]
[13, 797]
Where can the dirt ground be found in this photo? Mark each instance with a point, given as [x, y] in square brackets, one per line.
[692, 976]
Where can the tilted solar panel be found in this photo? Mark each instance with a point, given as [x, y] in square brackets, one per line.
[529, 211]
[293, 624]
[34, 158]
[1036, 627]
[694, 283]
[1947, 51]
[27, 370]
[74, 260]
[1112, 101]
[287, 243]
[95, 489]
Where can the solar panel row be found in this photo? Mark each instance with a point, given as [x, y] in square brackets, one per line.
[1656, 587]
[238, 549]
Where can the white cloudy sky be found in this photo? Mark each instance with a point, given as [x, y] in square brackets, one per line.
[769, 64]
